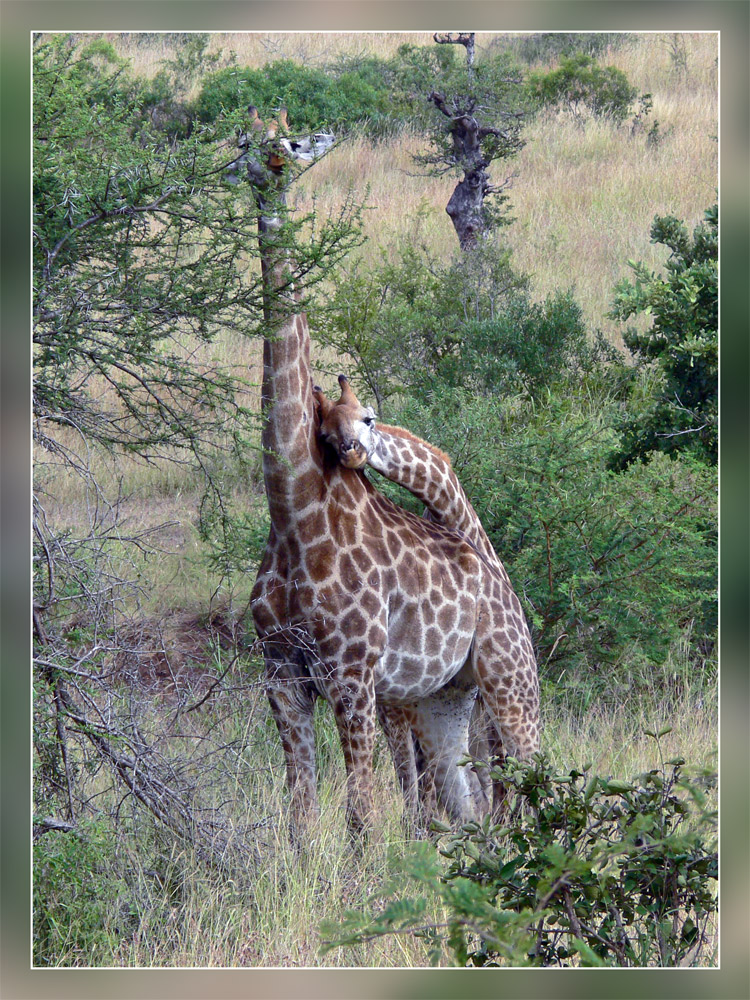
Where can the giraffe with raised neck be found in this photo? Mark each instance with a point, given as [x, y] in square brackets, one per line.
[265, 164]
[357, 600]
[352, 432]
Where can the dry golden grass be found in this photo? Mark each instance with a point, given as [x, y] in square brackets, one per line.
[584, 196]
[255, 49]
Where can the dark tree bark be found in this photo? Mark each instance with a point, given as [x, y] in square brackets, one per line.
[479, 130]
[466, 206]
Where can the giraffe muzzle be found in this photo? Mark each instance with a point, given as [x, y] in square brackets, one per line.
[352, 455]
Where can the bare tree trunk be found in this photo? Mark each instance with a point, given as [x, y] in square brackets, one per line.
[466, 207]
[472, 147]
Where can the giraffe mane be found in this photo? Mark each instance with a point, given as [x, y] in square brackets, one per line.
[403, 433]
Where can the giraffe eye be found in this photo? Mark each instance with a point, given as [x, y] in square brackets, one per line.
[369, 421]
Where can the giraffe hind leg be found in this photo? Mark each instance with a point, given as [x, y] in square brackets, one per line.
[509, 689]
[442, 727]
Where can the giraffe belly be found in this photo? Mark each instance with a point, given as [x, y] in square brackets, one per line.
[421, 658]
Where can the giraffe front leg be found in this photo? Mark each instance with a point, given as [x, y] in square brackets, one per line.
[355, 710]
[292, 701]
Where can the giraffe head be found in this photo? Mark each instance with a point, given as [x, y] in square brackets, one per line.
[346, 426]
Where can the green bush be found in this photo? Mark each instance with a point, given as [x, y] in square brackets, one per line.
[81, 912]
[589, 869]
[415, 325]
[680, 348]
[314, 98]
[580, 84]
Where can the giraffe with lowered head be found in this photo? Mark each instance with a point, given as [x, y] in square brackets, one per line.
[351, 430]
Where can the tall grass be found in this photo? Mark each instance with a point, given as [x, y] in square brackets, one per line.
[166, 907]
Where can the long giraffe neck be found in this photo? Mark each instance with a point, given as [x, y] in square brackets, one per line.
[427, 473]
[291, 459]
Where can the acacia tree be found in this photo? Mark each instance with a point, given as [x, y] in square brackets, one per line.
[480, 112]
[142, 254]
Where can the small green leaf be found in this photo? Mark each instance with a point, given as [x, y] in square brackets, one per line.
[616, 787]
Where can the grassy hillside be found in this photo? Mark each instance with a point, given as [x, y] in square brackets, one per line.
[130, 893]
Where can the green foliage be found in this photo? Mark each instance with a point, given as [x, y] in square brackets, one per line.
[587, 870]
[494, 96]
[81, 912]
[580, 84]
[140, 257]
[609, 566]
[680, 347]
[125, 272]
[418, 68]
[313, 97]
[416, 325]
[235, 539]
[373, 95]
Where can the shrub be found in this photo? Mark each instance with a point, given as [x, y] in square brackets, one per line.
[589, 869]
[680, 347]
[416, 325]
[80, 910]
[375, 95]
[580, 84]
[314, 98]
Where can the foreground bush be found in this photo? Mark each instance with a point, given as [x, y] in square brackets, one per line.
[589, 871]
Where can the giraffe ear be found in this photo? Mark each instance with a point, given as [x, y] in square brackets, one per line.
[323, 402]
